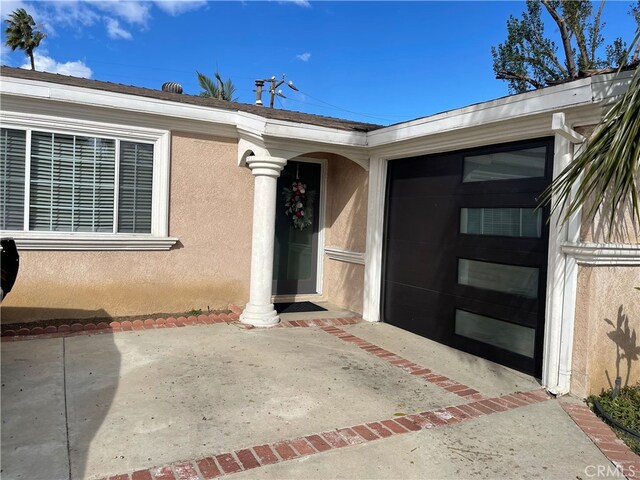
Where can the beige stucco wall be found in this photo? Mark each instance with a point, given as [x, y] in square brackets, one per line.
[210, 212]
[607, 320]
[607, 328]
[345, 228]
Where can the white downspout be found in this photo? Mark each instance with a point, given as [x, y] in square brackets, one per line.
[562, 275]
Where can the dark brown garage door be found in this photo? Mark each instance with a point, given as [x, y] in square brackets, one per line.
[466, 250]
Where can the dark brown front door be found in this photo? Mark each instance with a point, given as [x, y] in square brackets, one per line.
[466, 250]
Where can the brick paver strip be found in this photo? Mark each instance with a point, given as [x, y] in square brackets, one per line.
[141, 475]
[261, 455]
[208, 468]
[408, 366]
[265, 455]
[163, 473]
[247, 459]
[334, 439]
[78, 329]
[604, 438]
[228, 463]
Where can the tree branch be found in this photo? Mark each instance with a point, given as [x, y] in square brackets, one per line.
[508, 75]
[596, 32]
[566, 38]
[551, 55]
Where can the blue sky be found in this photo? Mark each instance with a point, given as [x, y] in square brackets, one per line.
[381, 62]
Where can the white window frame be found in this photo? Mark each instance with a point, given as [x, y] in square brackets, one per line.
[158, 239]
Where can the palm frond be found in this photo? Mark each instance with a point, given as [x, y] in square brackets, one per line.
[604, 176]
[209, 88]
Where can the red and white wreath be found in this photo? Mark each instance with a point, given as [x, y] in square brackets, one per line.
[297, 205]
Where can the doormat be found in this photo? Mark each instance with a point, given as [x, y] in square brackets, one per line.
[298, 307]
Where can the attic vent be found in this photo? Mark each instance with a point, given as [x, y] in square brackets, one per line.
[172, 87]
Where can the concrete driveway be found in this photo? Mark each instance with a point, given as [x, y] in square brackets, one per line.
[342, 401]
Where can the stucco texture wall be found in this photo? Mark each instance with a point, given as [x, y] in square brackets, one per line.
[607, 329]
[607, 318]
[210, 212]
[345, 228]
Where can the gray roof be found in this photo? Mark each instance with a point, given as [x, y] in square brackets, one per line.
[271, 113]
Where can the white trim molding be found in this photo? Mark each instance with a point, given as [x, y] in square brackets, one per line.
[158, 239]
[341, 255]
[84, 242]
[613, 254]
[372, 300]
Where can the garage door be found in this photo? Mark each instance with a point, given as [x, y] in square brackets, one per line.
[466, 250]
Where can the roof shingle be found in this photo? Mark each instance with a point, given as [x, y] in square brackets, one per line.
[275, 114]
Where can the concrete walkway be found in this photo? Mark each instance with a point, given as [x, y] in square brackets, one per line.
[310, 402]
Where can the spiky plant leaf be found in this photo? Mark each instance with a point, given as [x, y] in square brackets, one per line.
[606, 173]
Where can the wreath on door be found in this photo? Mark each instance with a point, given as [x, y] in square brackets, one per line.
[298, 204]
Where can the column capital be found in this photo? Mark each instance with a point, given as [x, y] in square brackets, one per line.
[265, 165]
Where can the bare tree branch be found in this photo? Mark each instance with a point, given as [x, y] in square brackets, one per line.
[596, 32]
[566, 38]
[507, 75]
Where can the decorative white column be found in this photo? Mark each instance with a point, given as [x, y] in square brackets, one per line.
[259, 311]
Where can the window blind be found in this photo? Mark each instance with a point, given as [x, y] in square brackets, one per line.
[72, 183]
[136, 187]
[13, 147]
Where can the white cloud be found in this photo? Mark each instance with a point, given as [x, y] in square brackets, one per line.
[115, 31]
[304, 56]
[300, 3]
[138, 13]
[176, 7]
[48, 64]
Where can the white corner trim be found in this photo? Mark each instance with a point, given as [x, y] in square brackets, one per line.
[335, 253]
[603, 253]
[84, 242]
[559, 126]
[372, 295]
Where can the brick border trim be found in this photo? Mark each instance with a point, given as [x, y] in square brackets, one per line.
[408, 366]
[78, 329]
[604, 438]
[218, 465]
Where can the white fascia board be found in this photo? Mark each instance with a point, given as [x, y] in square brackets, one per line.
[120, 101]
[611, 85]
[509, 108]
[314, 133]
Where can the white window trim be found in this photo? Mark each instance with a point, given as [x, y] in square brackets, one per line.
[158, 239]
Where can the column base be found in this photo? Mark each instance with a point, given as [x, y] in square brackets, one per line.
[260, 315]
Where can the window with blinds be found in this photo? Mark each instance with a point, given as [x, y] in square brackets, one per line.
[136, 179]
[13, 147]
[73, 182]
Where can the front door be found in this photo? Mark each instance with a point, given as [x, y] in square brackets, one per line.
[295, 259]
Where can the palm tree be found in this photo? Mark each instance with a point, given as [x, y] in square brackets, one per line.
[20, 33]
[606, 173]
[222, 90]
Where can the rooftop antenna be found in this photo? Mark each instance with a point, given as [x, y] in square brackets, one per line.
[273, 89]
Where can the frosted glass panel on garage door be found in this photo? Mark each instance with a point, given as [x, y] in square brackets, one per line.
[511, 279]
[528, 163]
[507, 222]
[498, 333]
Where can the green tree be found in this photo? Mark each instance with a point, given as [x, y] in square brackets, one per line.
[21, 34]
[605, 176]
[528, 58]
[220, 89]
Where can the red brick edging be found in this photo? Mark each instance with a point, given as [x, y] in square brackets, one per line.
[76, 329]
[605, 439]
[408, 366]
[277, 452]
